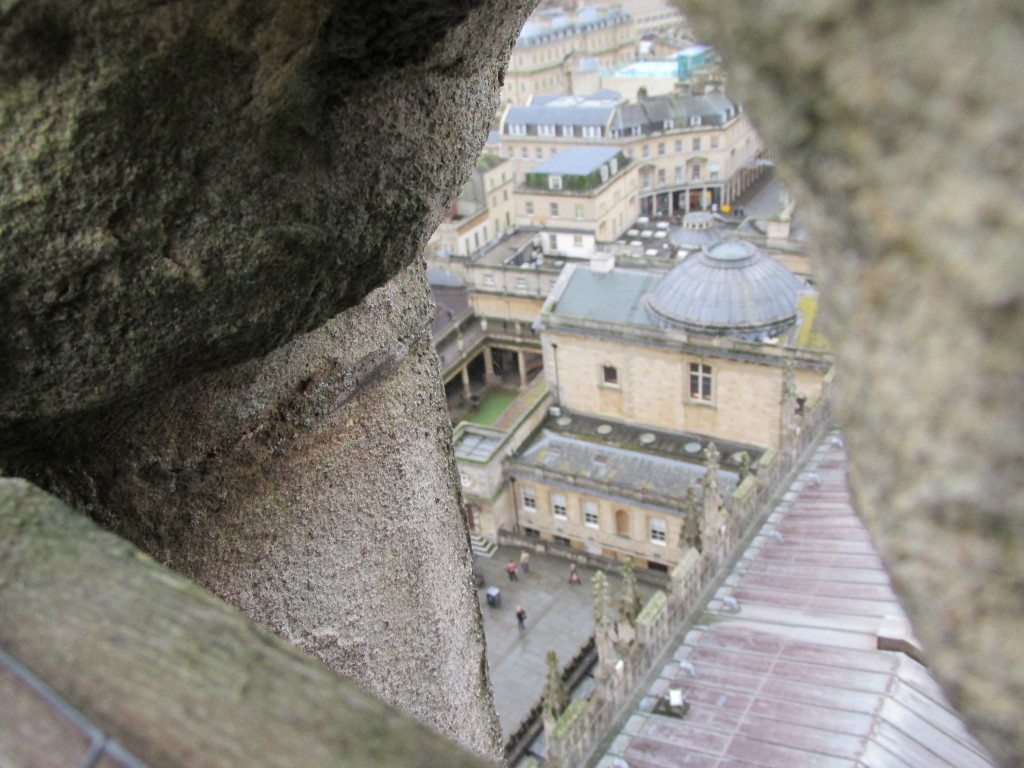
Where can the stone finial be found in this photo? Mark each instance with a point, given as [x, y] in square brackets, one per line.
[790, 416]
[602, 604]
[712, 457]
[556, 697]
[712, 497]
[692, 523]
[629, 605]
[745, 470]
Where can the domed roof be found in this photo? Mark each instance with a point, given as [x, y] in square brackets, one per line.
[730, 288]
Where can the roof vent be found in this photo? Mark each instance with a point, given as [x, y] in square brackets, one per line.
[603, 263]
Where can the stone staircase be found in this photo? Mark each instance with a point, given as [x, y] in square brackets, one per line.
[482, 546]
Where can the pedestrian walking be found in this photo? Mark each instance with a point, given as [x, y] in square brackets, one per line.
[510, 569]
[574, 575]
[524, 561]
[521, 617]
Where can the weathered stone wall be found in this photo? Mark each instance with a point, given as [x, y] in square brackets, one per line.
[900, 129]
[189, 185]
[190, 190]
[314, 489]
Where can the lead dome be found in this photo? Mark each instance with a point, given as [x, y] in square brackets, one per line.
[729, 288]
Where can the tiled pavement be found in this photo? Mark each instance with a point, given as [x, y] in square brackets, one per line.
[558, 618]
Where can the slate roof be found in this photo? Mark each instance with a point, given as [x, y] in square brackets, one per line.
[714, 108]
[545, 113]
[631, 471]
[612, 297]
[577, 161]
[793, 676]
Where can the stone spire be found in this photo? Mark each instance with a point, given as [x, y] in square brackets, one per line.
[556, 697]
[629, 606]
[602, 603]
[692, 523]
[605, 635]
[790, 418]
[745, 469]
[712, 496]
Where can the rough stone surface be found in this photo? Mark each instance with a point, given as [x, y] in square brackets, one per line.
[315, 490]
[900, 130]
[144, 661]
[189, 185]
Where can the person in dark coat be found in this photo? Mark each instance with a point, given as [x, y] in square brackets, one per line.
[521, 617]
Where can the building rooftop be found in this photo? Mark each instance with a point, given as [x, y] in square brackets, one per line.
[655, 68]
[551, 24]
[730, 287]
[626, 459]
[795, 676]
[577, 161]
[611, 297]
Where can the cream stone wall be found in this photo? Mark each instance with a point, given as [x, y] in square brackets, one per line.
[653, 388]
[544, 68]
[604, 539]
[738, 144]
[520, 308]
[608, 212]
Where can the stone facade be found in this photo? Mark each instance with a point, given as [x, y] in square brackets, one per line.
[653, 386]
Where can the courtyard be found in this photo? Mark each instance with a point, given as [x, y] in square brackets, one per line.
[558, 617]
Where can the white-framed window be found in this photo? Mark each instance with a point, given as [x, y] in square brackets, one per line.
[521, 284]
[590, 516]
[554, 181]
[592, 131]
[679, 145]
[539, 153]
[529, 206]
[701, 382]
[669, 125]
[694, 121]
[529, 499]
[558, 508]
[567, 130]
[679, 174]
[553, 242]
[714, 142]
[524, 153]
[488, 278]
[517, 129]
[713, 171]
[661, 176]
[610, 375]
[554, 209]
[578, 211]
[646, 151]
[511, 152]
[661, 147]
[647, 179]
[545, 130]
[614, 165]
[696, 144]
[695, 172]
[504, 194]
[604, 173]
[659, 530]
[577, 241]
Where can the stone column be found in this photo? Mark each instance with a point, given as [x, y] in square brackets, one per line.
[275, 485]
[521, 360]
[489, 376]
[467, 392]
